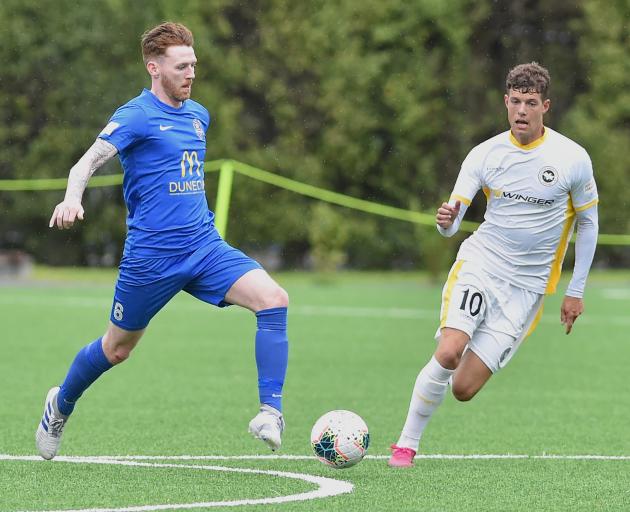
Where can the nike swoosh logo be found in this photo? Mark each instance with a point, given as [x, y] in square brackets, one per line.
[164, 128]
[276, 396]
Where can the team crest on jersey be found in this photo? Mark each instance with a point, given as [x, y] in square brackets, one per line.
[198, 129]
[548, 176]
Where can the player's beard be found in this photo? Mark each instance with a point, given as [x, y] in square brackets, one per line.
[175, 91]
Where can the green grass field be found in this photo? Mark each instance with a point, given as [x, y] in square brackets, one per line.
[357, 342]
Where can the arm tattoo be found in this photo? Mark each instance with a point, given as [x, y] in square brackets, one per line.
[99, 153]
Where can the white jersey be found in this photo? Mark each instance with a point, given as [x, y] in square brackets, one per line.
[533, 193]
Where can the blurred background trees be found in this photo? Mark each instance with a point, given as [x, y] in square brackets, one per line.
[378, 100]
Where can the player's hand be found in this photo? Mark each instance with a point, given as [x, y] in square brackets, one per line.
[447, 214]
[65, 214]
[571, 308]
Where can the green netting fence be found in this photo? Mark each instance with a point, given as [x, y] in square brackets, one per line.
[227, 168]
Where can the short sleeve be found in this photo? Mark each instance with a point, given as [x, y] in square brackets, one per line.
[126, 126]
[469, 180]
[583, 186]
[208, 118]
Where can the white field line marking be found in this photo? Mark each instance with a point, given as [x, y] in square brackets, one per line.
[420, 456]
[326, 486]
[302, 310]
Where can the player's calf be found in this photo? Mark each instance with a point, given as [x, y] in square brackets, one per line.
[463, 394]
[470, 377]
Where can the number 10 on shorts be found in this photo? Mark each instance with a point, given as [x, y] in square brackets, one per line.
[471, 302]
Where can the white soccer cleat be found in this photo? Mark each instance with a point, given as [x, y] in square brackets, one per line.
[268, 426]
[50, 428]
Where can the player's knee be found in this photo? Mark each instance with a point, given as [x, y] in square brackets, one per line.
[119, 354]
[451, 348]
[116, 353]
[118, 344]
[275, 298]
[448, 356]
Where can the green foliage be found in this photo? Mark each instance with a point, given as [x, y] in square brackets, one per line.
[327, 235]
[378, 100]
[437, 252]
[600, 119]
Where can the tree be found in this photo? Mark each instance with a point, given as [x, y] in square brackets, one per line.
[378, 100]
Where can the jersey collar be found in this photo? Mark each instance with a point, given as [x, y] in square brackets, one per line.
[161, 105]
[531, 145]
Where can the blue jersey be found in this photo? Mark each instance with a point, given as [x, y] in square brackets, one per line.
[162, 151]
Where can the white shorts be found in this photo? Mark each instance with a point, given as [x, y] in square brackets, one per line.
[496, 315]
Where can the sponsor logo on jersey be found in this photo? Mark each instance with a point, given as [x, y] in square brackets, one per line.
[186, 187]
[190, 161]
[190, 167]
[548, 176]
[199, 129]
[164, 128]
[527, 199]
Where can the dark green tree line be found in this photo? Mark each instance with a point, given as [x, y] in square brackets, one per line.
[379, 100]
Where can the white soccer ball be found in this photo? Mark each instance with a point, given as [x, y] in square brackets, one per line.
[340, 439]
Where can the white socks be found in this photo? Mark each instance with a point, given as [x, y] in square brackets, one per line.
[428, 394]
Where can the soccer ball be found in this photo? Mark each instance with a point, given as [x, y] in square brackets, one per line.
[340, 439]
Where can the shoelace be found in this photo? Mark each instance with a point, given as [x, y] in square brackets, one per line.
[55, 427]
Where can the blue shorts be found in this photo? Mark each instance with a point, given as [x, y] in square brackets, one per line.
[145, 285]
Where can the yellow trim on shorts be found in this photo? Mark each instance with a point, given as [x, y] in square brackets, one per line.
[537, 318]
[561, 250]
[450, 283]
[587, 205]
[462, 199]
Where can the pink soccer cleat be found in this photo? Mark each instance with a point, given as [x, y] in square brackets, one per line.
[401, 457]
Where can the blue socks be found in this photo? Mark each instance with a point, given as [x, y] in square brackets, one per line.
[87, 366]
[272, 351]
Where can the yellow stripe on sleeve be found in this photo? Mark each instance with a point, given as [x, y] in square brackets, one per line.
[587, 205]
[561, 250]
[450, 283]
[462, 199]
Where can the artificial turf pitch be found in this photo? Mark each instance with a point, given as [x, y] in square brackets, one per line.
[357, 341]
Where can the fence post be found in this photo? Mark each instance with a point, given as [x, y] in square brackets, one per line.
[224, 191]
